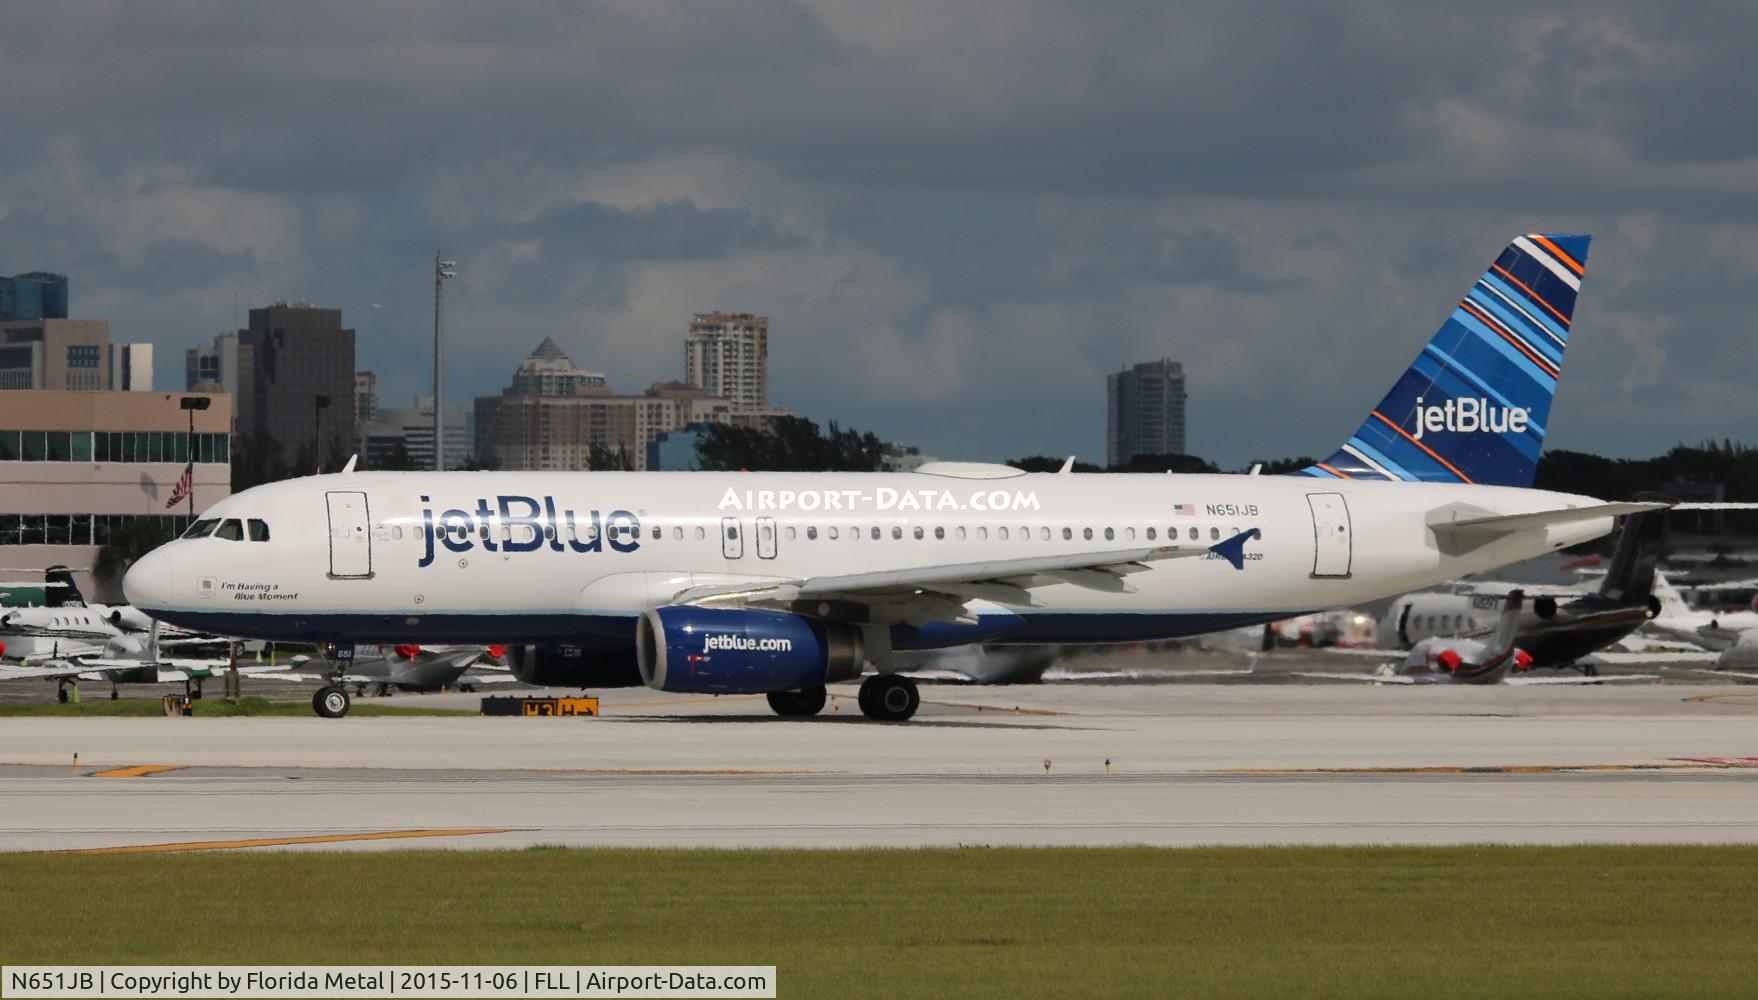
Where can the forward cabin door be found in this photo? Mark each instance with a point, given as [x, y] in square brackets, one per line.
[350, 541]
[732, 538]
[1332, 548]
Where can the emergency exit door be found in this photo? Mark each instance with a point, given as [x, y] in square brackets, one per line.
[350, 541]
[766, 538]
[732, 538]
[1332, 548]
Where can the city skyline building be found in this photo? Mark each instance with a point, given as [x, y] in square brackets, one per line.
[727, 355]
[33, 296]
[402, 437]
[299, 358]
[1145, 411]
[71, 354]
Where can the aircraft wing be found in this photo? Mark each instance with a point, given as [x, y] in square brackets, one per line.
[1667, 659]
[1363, 678]
[65, 652]
[938, 593]
[56, 669]
[1527, 679]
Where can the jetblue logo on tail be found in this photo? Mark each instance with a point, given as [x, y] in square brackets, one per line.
[1467, 416]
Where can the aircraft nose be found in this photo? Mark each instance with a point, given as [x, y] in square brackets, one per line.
[148, 582]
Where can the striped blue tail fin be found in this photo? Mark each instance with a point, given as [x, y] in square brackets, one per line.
[1474, 406]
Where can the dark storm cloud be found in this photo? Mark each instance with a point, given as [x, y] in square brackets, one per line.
[958, 216]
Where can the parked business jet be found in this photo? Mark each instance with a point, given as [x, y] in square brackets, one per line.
[1554, 631]
[781, 583]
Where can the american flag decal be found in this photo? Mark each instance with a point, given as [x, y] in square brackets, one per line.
[185, 484]
[1184, 510]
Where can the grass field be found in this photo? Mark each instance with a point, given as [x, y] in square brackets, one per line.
[210, 707]
[1332, 922]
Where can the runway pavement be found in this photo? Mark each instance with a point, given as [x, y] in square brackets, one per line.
[1189, 764]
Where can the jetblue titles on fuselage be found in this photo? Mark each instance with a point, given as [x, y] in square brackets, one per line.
[525, 524]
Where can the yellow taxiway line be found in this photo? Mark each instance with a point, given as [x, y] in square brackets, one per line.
[334, 838]
[138, 771]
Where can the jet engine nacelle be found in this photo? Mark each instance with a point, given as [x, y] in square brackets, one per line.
[573, 666]
[742, 651]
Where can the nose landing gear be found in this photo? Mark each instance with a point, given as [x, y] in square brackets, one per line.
[331, 701]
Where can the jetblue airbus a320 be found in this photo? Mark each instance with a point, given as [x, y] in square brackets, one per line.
[781, 583]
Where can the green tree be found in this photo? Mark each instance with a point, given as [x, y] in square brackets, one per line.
[126, 545]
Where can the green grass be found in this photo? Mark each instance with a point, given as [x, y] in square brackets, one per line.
[1328, 922]
[209, 707]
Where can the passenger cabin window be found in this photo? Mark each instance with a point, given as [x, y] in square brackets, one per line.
[202, 528]
[259, 530]
[231, 530]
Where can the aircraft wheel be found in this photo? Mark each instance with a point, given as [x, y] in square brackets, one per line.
[889, 697]
[61, 695]
[805, 701]
[115, 694]
[330, 702]
[1590, 670]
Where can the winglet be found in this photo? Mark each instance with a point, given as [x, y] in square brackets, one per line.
[1233, 549]
[1067, 467]
[350, 466]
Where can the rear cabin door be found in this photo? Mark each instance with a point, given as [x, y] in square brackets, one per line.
[732, 538]
[350, 541]
[1333, 549]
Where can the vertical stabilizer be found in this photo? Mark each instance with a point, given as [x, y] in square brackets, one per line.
[1474, 406]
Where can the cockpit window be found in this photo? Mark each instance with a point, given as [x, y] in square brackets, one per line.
[259, 530]
[231, 530]
[202, 528]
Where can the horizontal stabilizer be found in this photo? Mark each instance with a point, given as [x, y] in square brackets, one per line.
[1469, 532]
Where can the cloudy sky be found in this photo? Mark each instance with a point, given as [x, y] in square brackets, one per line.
[958, 217]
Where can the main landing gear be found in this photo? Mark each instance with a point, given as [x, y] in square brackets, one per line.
[805, 701]
[889, 698]
[883, 698]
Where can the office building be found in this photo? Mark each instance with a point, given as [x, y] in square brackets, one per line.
[78, 465]
[727, 355]
[1144, 411]
[55, 354]
[131, 367]
[291, 357]
[37, 295]
[402, 437]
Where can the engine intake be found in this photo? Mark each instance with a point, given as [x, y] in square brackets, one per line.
[741, 651]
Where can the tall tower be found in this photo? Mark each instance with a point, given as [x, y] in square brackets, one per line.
[1144, 411]
[728, 355]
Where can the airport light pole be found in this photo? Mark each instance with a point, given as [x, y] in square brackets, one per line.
[190, 404]
[318, 403]
[443, 269]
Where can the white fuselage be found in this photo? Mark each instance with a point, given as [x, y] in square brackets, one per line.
[520, 557]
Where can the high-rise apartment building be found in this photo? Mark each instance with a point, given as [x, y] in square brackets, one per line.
[365, 397]
[727, 355]
[1145, 411]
